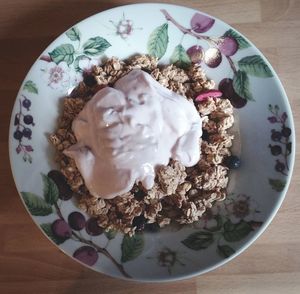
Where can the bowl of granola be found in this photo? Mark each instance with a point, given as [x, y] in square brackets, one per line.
[157, 162]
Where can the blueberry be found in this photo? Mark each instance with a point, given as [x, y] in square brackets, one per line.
[275, 149]
[139, 222]
[26, 103]
[205, 135]
[27, 133]
[276, 136]
[89, 80]
[286, 132]
[28, 119]
[18, 135]
[76, 220]
[138, 193]
[232, 162]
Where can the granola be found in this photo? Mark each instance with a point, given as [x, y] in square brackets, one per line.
[179, 194]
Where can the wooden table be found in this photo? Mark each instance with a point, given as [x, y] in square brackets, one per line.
[33, 265]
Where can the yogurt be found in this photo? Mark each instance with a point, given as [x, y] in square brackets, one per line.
[124, 133]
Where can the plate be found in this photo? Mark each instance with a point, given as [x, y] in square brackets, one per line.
[266, 136]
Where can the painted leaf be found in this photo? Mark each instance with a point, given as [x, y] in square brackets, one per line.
[241, 85]
[198, 240]
[225, 251]
[64, 52]
[36, 205]
[132, 247]
[76, 62]
[277, 185]
[73, 34]
[111, 234]
[254, 65]
[236, 232]
[158, 41]
[31, 87]
[180, 57]
[50, 190]
[48, 231]
[95, 46]
[242, 42]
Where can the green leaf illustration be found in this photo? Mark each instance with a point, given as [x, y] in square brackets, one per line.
[111, 234]
[242, 42]
[225, 251]
[254, 65]
[236, 232]
[132, 247]
[95, 46]
[64, 52]
[48, 231]
[241, 85]
[31, 87]
[50, 190]
[36, 205]
[76, 62]
[180, 57]
[158, 41]
[277, 185]
[73, 34]
[198, 240]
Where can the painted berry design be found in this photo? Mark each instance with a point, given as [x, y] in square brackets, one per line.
[23, 122]
[281, 146]
[221, 49]
[67, 228]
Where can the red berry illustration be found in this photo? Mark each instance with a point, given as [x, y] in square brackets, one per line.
[201, 23]
[76, 220]
[195, 53]
[228, 46]
[92, 227]
[61, 229]
[212, 57]
[87, 255]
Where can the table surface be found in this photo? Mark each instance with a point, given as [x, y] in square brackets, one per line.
[34, 265]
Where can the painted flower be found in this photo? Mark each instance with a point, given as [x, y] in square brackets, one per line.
[242, 207]
[124, 27]
[168, 258]
[57, 76]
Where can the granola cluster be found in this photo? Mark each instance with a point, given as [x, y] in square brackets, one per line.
[179, 194]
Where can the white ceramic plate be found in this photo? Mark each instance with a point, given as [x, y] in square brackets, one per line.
[266, 135]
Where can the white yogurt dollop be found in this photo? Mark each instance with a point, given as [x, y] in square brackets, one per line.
[125, 132]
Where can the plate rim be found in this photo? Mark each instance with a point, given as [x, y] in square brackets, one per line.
[277, 204]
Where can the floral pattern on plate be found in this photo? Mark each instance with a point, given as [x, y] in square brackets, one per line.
[181, 36]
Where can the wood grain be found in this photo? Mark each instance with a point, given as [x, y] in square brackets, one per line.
[29, 263]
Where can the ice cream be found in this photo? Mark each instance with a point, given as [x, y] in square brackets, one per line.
[123, 133]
